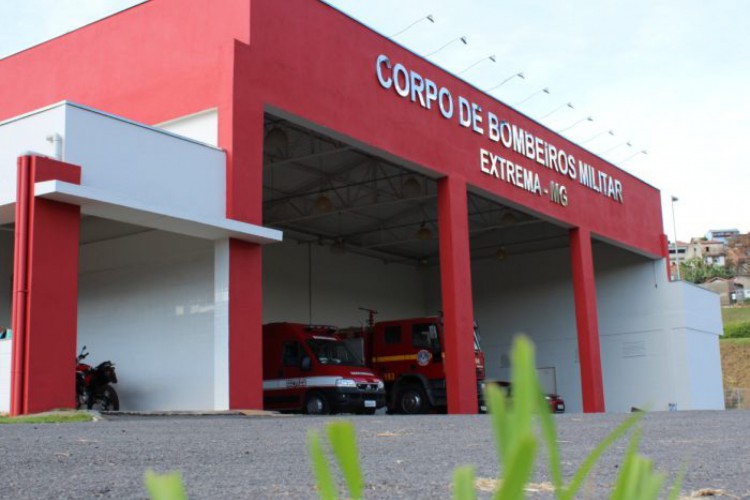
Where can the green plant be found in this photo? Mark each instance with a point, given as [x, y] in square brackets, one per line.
[342, 438]
[165, 486]
[737, 330]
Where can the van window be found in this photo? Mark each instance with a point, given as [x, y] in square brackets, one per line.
[424, 336]
[392, 334]
[291, 353]
[333, 352]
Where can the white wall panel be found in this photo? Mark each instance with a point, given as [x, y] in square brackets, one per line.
[203, 126]
[221, 325]
[660, 346]
[6, 349]
[22, 135]
[339, 285]
[146, 302]
[6, 276]
[530, 294]
[145, 165]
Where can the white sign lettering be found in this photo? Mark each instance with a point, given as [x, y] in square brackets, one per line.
[427, 94]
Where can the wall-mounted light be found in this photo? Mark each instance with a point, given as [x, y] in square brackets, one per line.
[515, 75]
[610, 132]
[626, 143]
[461, 39]
[545, 90]
[641, 152]
[561, 106]
[490, 58]
[585, 119]
[425, 18]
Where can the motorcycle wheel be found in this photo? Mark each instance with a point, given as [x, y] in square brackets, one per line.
[80, 394]
[107, 400]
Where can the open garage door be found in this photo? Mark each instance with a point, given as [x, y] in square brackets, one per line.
[361, 231]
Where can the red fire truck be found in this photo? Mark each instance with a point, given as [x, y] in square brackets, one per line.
[408, 355]
[306, 368]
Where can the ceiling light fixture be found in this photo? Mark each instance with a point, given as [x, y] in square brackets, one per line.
[323, 204]
[277, 143]
[424, 233]
[411, 187]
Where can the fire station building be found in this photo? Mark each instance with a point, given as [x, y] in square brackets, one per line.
[178, 174]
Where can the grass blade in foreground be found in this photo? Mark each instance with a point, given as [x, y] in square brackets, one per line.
[344, 444]
[165, 486]
[597, 452]
[498, 409]
[463, 483]
[550, 438]
[321, 469]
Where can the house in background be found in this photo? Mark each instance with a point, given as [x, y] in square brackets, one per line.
[722, 235]
[709, 251]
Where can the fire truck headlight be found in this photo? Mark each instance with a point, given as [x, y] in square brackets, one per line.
[345, 382]
[381, 385]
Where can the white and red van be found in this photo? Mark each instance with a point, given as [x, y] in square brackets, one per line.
[306, 368]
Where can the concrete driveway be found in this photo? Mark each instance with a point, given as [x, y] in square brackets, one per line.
[403, 457]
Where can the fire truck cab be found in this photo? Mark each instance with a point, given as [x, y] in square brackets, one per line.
[408, 355]
[306, 368]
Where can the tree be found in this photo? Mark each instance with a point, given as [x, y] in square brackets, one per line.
[697, 271]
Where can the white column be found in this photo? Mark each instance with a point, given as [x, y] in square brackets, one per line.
[221, 325]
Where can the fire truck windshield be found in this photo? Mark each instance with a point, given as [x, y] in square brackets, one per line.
[333, 352]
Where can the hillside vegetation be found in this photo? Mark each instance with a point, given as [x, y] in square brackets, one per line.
[735, 350]
[736, 321]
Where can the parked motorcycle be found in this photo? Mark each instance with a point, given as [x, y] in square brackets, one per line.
[93, 389]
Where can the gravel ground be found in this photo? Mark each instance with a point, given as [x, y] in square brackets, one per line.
[402, 457]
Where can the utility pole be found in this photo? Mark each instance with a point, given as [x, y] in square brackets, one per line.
[676, 251]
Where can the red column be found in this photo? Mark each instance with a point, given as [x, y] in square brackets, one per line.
[241, 135]
[245, 326]
[584, 290]
[458, 314]
[45, 291]
[665, 253]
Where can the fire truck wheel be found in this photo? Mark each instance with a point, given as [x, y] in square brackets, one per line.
[412, 400]
[316, 404]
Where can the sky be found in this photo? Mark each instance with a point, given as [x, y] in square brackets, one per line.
[669, 77]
